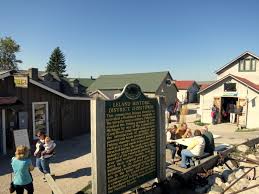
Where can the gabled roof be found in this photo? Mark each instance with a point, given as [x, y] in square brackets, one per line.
[244, 81]
[108, 94]
[205, 82]
[86, 82]
[4, 74]
[234, 60]
[184, 84]
[148, 82]
[247, 82]
[203, 86]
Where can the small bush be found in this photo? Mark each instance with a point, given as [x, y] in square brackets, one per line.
[198, 122]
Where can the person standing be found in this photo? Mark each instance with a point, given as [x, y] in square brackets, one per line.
[214, 112]
[177, 110]
[42, 162]
[232, 112]
[22, 166]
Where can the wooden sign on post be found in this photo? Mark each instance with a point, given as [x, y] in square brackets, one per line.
[128, 141]
[21, 137]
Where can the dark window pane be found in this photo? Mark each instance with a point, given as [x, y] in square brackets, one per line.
[230, 87]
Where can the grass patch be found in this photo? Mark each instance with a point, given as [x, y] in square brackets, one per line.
[245, 130]
[199, 123]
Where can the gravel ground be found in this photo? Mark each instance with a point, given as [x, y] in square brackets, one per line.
[71, 166]
[225, 130]
[72, 163]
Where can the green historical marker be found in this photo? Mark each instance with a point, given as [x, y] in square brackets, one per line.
[132, 141]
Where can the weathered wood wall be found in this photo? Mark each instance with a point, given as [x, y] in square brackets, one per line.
[67, 118]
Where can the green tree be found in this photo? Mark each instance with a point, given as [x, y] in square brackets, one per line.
[57, 63]
[8, 50]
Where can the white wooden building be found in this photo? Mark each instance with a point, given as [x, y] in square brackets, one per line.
[237, 82]
[188, 90]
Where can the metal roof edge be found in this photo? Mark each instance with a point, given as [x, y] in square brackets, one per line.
[229, 75]
[246, 52]
[58, 93]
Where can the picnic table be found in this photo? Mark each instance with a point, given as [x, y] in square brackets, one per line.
[187, 141]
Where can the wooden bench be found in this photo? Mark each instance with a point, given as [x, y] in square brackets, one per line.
[199, 158]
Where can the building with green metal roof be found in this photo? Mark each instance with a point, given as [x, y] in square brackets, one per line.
[152, 84]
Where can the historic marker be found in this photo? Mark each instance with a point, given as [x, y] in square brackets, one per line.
[131, 142]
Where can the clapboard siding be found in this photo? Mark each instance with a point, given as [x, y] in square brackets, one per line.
[67, 118]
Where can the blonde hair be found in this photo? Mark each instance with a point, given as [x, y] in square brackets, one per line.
[21, 152]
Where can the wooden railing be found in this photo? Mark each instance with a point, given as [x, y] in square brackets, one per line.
[52, 184]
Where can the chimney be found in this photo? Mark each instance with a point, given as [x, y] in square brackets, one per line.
[33, 73]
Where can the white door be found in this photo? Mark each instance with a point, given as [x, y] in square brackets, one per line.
[40, 117]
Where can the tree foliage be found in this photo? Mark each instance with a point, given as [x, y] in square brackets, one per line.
[8, 50]
[57, 63]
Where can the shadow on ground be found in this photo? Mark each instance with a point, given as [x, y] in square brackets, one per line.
[66, 150]
[79, 173]
[5, 165]
[72, 148]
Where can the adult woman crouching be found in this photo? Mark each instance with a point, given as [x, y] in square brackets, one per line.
[22, 166]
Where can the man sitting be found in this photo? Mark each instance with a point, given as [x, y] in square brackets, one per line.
[170, 136]
[209, 140]
[196, 148]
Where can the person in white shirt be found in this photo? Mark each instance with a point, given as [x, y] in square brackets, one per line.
[49, 147]
[196, 148]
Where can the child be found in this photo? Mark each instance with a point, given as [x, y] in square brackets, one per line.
[49, 147]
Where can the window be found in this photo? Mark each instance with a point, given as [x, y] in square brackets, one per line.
[230, 87]
[247, 65]
[40, 117]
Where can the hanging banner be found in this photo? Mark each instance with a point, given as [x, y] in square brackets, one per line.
[21, 81]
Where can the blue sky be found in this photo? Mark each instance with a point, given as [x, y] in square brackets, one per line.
[191, 39]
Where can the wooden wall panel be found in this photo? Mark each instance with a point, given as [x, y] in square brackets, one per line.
[67, 118]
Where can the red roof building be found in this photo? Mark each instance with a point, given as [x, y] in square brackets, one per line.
[184, 84]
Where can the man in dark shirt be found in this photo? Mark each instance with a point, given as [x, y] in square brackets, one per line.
[209, 140]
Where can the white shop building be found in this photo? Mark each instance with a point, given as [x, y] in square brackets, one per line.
[238, 83]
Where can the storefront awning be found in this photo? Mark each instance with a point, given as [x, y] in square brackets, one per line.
[9, 101]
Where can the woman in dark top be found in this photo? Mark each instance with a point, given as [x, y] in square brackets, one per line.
[41, 162]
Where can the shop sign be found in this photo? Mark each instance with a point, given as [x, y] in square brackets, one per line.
[21, 81]
[230, 94]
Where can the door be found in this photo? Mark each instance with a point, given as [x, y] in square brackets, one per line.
[217, 103]
[242, 116]
[40, 117]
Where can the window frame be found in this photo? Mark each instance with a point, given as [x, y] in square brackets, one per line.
[230, 90]
[243, 63]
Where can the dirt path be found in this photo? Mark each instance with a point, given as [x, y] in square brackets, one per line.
[71, 165]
